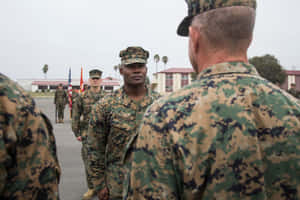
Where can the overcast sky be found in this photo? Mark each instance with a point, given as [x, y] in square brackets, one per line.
[89, 33]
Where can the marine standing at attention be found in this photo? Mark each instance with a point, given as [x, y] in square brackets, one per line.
[80, 120]
[114, 120]
[60, 101]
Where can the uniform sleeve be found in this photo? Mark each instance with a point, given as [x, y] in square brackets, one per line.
[77, 111]
[97, 139]
[4, 157]
[55, 96]
[28, 161]
[152, 174]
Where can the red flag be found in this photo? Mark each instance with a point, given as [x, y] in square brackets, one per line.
[81, 82]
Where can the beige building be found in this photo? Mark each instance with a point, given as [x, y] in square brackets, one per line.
[171, 79]
[108, 84]
[293, 77]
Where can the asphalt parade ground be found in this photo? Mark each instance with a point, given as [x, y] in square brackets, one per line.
[72, 183]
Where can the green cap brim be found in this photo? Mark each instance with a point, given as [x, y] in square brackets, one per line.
[134, 60]
[183, 28]
[95, 76]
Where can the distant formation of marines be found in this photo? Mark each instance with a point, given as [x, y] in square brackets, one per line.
[231, 134]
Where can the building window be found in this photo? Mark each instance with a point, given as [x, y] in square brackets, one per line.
[42, 87]
[109, 88]
[169, 82]
[184, 79]
[53, 87]
[169, 76]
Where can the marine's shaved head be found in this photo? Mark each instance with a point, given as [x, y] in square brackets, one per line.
[228, 28]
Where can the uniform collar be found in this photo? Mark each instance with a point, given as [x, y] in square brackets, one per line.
[126, 100]
[228, 68]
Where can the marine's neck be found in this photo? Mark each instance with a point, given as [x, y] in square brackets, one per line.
[135, 92]
[205, 62]
[95, 89]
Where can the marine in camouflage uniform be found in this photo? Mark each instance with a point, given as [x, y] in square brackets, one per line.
[60, 101]
[114, 120]
[293, 91]
[29, 168]
[74, 98]
[229, 135]
[80, 119]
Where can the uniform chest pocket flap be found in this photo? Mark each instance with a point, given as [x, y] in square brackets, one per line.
[124, 122]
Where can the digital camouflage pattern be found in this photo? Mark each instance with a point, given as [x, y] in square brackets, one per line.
[294, 92]
[196, 7]
[95, 73]
[74, 98]
[114, 120]
[29, 167]
[80, 120]
[229, 135]
[82, 110]
[60, 101]
[134, 55]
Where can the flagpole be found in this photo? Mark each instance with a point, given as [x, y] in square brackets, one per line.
[70, 92]
[81, 81]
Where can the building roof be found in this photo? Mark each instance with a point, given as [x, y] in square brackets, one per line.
[108, 81]
[177, 70]
[292, 72]
[49, 82]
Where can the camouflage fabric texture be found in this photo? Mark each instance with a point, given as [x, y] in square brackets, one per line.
[60, 97]
[82, 109]
[74, 98]
[294, 92]
[95, 73]
[29, 168]
[114, 120]
[134, 55]
[196, 7]
[60, 101]
[229, 135]
[80, 120]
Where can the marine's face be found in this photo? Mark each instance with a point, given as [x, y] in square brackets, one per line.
[95, 82]
[134, 74]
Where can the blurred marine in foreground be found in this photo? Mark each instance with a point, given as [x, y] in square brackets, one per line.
[29, 167]
[229, 135]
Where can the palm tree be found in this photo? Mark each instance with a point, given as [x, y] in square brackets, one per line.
[45, 70]
[165, 60]
[156, 60]
[116, 68]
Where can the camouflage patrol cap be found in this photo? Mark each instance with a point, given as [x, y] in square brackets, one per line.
[196, 7]
[95, 73]
[134, 55]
